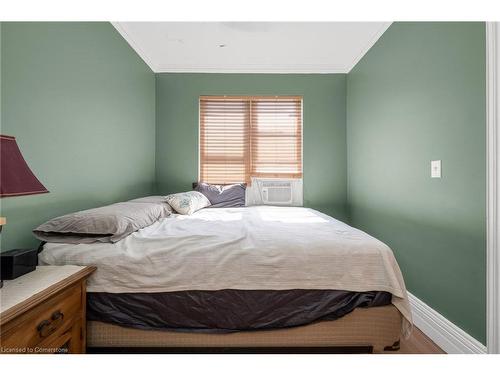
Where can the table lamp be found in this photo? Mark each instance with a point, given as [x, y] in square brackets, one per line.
[16, 179]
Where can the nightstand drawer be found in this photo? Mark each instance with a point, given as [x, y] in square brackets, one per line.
[43, 324]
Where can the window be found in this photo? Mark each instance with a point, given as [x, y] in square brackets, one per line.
[243, 137]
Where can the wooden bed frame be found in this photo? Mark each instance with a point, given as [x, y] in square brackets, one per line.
[374, 329]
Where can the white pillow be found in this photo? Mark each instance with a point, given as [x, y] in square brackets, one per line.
[188, 202]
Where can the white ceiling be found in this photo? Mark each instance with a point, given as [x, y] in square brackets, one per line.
[251, 47]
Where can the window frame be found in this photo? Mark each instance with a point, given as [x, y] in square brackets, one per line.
[252, 98]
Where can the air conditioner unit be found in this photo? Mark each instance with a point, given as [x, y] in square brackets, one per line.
[277, 192]
[274, 191]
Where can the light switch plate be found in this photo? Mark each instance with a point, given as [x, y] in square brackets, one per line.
[436, 168]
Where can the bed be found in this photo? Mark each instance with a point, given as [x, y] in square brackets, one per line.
[261, 277]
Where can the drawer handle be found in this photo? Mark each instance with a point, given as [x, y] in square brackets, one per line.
[46, 327]
[57, 316]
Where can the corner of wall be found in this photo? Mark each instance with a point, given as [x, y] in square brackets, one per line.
[348, 195]
[156, 186]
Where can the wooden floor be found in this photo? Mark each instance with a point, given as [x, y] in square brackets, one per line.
[418, 343]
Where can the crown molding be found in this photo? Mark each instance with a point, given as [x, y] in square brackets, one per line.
[254, 68]
[135, 46]
[369, 45]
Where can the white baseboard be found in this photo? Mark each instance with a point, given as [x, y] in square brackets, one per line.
[445, 334]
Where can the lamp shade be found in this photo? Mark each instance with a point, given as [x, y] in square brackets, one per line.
[16, 177]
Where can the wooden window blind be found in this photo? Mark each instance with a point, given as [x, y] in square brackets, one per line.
[224, 140]
[245, 136]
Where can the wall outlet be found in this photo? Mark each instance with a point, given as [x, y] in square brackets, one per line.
[436, 169]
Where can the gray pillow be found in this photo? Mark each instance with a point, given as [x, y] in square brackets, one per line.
[160, 199]
[223, 195]
[103, 224]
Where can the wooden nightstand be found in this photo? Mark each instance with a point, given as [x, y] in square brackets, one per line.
[44, 311]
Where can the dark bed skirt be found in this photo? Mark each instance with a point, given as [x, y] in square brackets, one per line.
[227, 310]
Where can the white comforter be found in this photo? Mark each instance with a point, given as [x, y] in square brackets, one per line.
[261, 247]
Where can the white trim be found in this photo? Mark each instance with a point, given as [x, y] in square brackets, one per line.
[369, 45]
[135, 46]
[449, 337]
[254, 68]
[493, 185]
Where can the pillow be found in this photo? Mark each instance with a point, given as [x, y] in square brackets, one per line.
[159, 199]
[104, 224]
[223, 195]
[188, 202]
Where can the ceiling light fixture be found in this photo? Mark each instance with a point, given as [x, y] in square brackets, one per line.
[222, 45]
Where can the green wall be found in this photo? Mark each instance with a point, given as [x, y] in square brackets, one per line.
[419, 95]
[325, 180]
[81, 104]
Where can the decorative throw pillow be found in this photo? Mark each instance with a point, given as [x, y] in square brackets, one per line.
[188, 202]
[223, 195]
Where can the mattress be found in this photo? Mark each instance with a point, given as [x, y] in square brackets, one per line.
[227, 310]
[247, 248]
